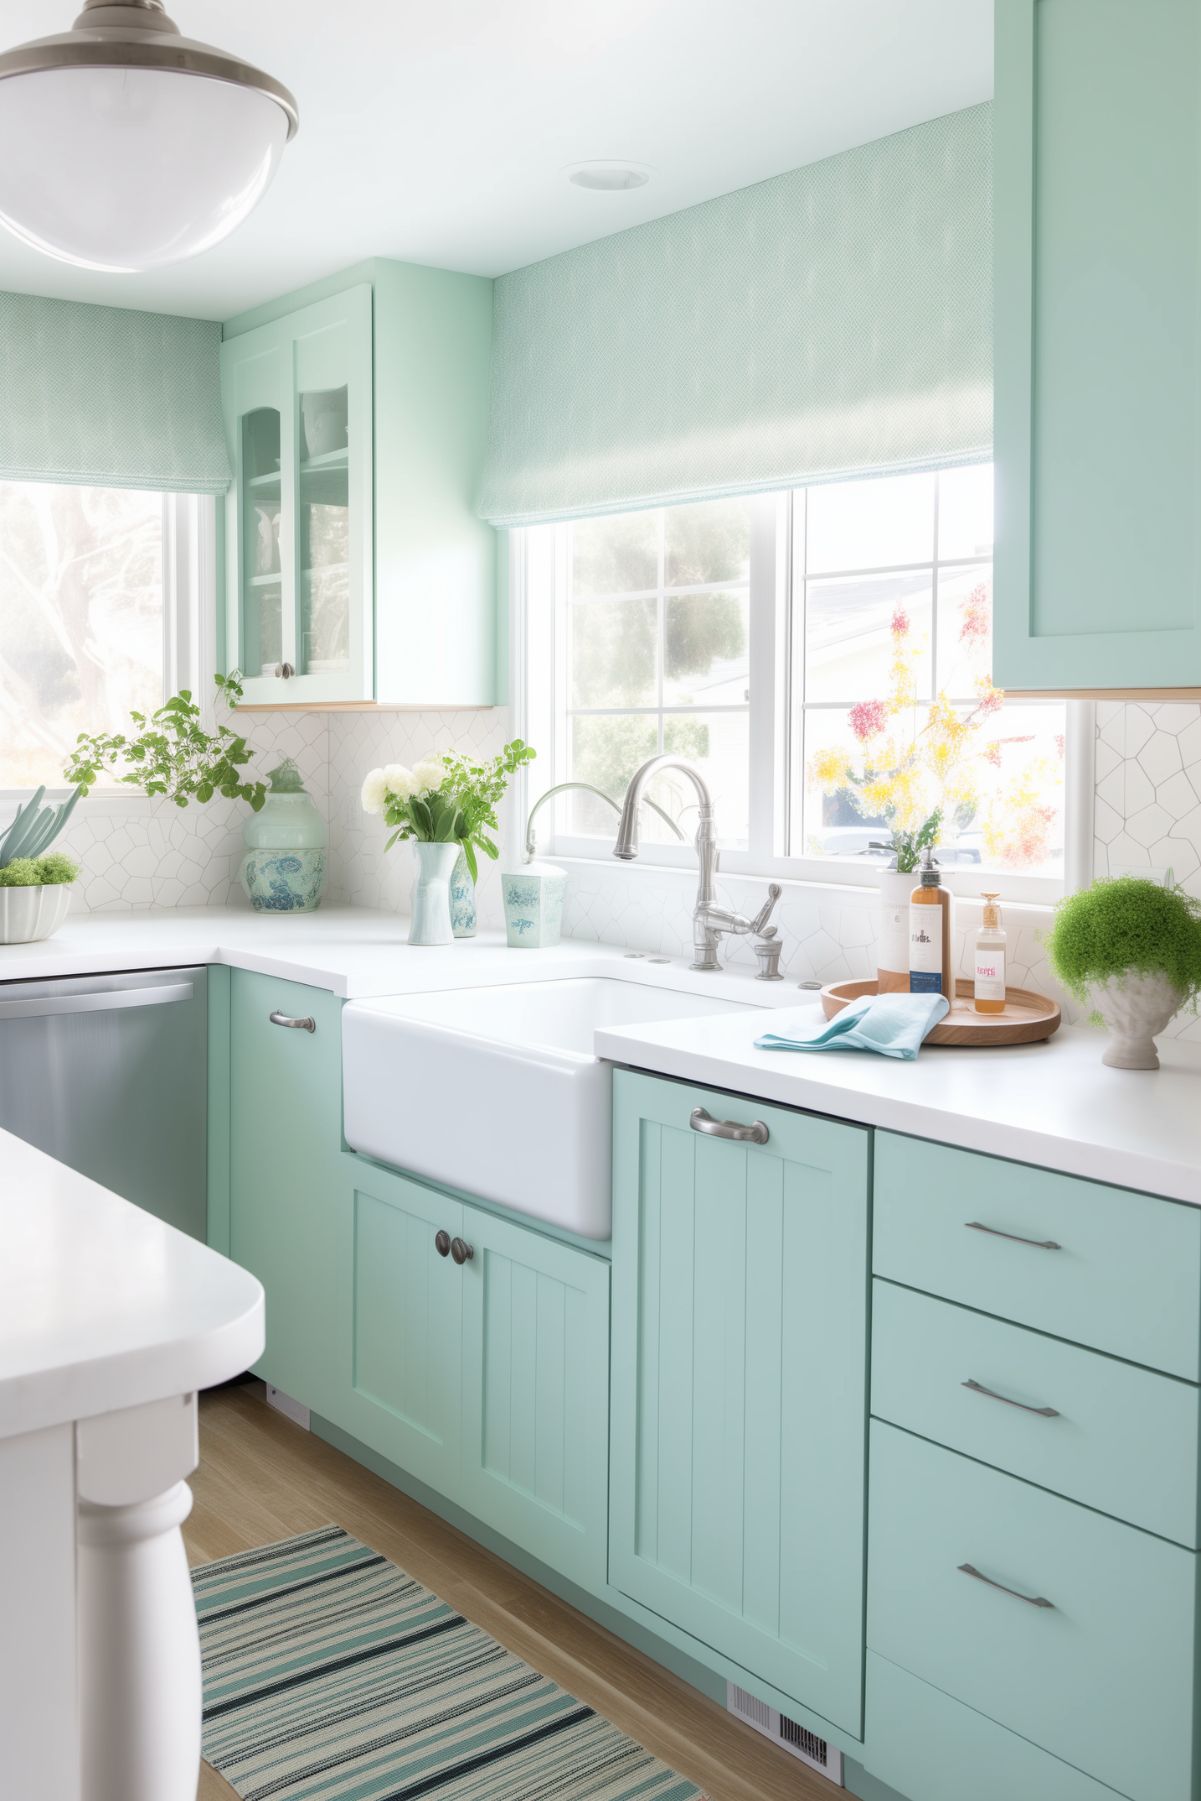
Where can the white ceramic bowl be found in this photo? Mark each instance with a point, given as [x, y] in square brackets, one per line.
[28, 914]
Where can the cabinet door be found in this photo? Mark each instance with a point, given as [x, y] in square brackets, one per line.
[536, 1394]
[260, 531]
[401, 1321]
[285, 1146]
[739, 1384]
[298, 402]
[1098, 344]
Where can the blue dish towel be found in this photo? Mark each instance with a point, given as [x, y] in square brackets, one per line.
[892, 1024]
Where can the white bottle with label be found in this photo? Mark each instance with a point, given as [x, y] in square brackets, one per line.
[989, 982]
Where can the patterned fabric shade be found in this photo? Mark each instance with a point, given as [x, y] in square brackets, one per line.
[105, 397]
[833, 321]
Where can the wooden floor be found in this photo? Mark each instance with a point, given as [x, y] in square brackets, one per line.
[262, 1478]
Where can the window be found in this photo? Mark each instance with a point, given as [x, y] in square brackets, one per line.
[823, 656]
[105, 603]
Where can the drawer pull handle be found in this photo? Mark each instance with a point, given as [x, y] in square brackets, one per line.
[728, 1128]
[1040, 1244]
[307, 1024]
[978, 1388]
[970, 1569]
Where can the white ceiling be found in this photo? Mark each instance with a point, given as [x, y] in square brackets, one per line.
[439, 131]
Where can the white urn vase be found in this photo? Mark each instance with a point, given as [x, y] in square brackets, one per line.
[1135, 1006]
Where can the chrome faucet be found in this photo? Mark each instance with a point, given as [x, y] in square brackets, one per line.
[531, 843]
[708, 920]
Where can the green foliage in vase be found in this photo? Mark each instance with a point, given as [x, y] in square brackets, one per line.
[1127, 924]
[907, 847]
[445, 800]
[172, 754]
[38, 872]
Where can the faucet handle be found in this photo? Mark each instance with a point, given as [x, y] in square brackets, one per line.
[767, 909]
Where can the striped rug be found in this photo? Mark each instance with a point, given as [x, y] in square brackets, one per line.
[330, 1675]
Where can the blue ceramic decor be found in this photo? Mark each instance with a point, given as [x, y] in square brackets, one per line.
[283, 870]
[429, 921]
[462, 899]
[533, 900]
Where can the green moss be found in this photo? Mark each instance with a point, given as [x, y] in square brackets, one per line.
[1125, 924]
[37, 872]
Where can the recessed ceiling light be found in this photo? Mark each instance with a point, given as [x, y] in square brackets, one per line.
[609, 176]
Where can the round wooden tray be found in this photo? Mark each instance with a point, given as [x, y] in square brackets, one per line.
[1027, 1016]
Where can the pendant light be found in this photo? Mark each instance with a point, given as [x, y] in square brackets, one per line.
[124, 146]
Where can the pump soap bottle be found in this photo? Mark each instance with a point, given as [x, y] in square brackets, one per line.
[930, 934]
[989, 984]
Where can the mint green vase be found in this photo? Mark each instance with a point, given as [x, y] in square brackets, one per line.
[283, 870]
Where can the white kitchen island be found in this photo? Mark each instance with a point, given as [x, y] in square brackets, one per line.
[110, 1323]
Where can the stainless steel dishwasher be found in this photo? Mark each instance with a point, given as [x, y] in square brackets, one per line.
[110, 1075]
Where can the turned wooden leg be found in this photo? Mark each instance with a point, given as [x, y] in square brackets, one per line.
[139, 1652]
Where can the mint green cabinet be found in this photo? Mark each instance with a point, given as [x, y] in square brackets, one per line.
[285, 1145]
[357, 414]
[1098, 344]
[299, 543]
[486, 1378]
[739, 1384]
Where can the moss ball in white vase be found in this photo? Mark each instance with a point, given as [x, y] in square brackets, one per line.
[1131, 951]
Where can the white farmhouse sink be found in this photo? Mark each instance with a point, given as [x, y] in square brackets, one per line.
[498, 1091]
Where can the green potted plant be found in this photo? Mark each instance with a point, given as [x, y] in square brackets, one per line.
[446, 808]
[1131, 950]
[35, 882]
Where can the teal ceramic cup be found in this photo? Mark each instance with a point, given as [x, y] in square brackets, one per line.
[533, 901]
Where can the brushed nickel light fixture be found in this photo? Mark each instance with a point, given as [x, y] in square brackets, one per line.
[124, 146]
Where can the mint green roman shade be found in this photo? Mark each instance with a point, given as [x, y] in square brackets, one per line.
[106, 397]
[833, 321]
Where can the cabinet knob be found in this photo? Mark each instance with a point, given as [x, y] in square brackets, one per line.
[284, 671]
[442, 1243]
[461, 1251]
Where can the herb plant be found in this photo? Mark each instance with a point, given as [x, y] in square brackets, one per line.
[1127, 924]
[172, 754]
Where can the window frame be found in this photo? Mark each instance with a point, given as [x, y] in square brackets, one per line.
[538, 576]
[190, 566]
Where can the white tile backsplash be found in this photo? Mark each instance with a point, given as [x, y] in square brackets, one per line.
[1147, 816]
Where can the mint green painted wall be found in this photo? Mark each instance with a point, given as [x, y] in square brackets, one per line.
[835, 319]
[106, 395]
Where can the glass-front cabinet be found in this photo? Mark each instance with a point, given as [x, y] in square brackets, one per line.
[299, 579]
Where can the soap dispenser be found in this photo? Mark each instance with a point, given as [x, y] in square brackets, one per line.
[989, 979]
[930, 933]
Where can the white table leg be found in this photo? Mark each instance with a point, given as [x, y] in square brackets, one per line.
[139, 1652]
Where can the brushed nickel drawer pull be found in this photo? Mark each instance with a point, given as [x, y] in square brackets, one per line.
[307, 1024]
[970, 1569]
[978, 1388]
[728, 1128]
[1040, 1244]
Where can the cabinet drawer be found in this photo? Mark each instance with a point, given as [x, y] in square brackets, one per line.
[1090, 1654]
[924, 1744]
[1101, 1266]
[1119, 1438]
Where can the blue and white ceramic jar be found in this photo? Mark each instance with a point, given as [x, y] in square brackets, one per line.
[283, 870]
[533, 900]
[462, 899]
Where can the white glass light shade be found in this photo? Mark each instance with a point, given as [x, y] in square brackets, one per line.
[127, 169]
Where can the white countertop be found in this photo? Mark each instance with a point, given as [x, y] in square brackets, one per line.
[1053, 1104]
[104, 1307]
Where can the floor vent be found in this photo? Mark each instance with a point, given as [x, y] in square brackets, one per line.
[806, 1746]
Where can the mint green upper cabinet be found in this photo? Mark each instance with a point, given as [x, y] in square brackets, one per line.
[298, 403]
[285, 1143]
[357, 415]
[1098, 344]
[739, 1385]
